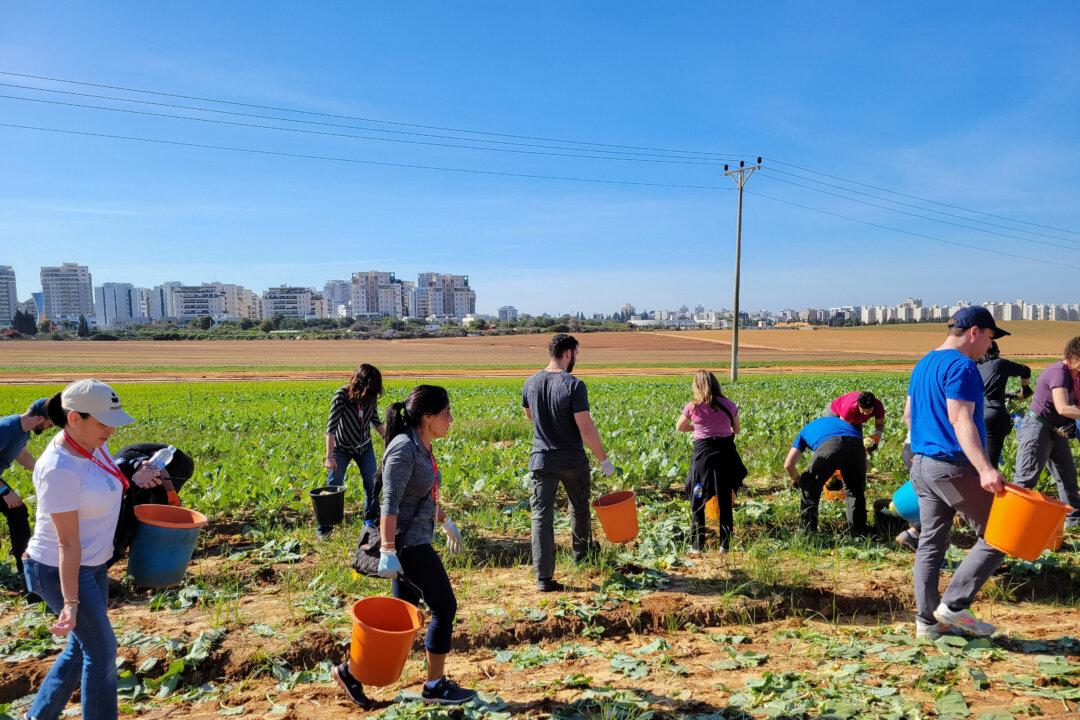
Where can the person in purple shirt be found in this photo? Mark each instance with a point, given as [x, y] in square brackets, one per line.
[1043, 439]
[716, 469]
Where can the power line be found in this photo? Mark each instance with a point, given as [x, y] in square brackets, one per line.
[916, 197]
[672, 152]
[697, 161]
[915, 234]
[366, 119]
[325, 133]
[918, 207]
[922, 217]
[472, 171]
[379, 163]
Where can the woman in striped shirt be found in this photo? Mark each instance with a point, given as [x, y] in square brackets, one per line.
[353, 411]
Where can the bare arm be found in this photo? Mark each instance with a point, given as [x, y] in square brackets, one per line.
[735, 426]
[388, 531]
[528, 413]
[967, 434]
[1061, 404]
[331, 464]
[589, 434]
[907, 411]
[67, 535]
[790, 461]
[683, 424]
[26, 460]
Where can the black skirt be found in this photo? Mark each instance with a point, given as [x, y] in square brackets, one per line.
[716, 466]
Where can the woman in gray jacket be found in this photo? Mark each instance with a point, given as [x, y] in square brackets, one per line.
[410, 509]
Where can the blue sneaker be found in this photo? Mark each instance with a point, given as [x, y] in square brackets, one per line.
[447, 692]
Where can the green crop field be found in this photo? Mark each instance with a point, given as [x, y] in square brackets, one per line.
[786, 625]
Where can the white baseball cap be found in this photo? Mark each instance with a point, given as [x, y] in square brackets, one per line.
[98, 400]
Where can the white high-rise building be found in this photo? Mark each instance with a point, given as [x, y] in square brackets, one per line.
[117, 305]
[68, 292]
[9, 299]
[376, 293]
[509, 313]
[239, 301]
[444, 295]
[162, 301]
[193, 301]
[286, 301]
[338, 293]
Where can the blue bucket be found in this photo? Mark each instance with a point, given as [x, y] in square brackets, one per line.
[906, 502]
[163, 544]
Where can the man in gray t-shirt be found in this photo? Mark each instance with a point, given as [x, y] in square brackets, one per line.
[557, 403]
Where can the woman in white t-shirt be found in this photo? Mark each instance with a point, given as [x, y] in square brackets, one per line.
[79, 489]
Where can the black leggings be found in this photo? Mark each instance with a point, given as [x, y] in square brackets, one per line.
[425, 577]
[18, 521]
[697, 520]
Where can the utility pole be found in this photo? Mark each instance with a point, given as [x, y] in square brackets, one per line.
[740, 175]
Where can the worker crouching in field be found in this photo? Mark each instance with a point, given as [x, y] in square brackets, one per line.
[1044, 436]
[14, 433]
[130, 460]
[952, 473]
[837, 445]
[858, 407]
[716, 469]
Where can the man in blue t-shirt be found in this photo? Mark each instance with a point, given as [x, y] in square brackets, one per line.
[952, 472]
[14, 433]
[837, 445]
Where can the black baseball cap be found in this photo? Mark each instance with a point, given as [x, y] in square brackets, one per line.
[976, 316]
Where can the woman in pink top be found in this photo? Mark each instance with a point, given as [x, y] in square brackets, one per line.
[716, 469]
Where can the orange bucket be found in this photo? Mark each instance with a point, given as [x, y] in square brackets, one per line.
[1022, 522]
[1058, 537]
[618, 515]
[383, 632]
[712, 509]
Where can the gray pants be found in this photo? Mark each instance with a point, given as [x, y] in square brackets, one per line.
[544, 483]
[945, 489]
[1040, 446]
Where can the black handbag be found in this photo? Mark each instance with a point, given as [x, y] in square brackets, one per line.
[365, 559]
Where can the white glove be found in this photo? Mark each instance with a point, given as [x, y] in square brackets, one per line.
[389, 565]
[608, 468]
[453, 536]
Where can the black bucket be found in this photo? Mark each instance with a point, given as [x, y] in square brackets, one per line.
[329, 505]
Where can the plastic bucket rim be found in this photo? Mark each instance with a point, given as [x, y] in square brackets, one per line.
[198, 519]
[334, 490]
[614, 498]
[414, 611]
[1036, 496]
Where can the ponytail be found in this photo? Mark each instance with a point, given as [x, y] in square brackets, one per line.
[54, 410]
[423, 400]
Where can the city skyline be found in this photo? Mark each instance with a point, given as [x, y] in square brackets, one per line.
[974, 134]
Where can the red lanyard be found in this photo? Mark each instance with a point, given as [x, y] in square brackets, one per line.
[108, 466]
[435, 471]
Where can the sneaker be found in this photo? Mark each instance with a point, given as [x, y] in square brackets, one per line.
[963, 622]
[546, 585]
[930, 631]
[693, 551]
[907, 540]
[447, 692]
[350, 686]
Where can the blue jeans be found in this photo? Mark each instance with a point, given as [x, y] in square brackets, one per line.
[90, 654]
[365, 460]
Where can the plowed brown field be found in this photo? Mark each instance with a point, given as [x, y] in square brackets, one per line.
[840, 349]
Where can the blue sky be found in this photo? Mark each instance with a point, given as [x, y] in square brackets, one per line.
[972, 104]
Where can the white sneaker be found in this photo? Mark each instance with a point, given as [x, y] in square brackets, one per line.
[930, 631]
[963, 622]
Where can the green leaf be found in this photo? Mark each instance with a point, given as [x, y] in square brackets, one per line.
[952, 705]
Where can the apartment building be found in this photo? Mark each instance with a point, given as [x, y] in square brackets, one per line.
[118, 305]
[376, 294]
[286, 301]
[444, 295]
[68, 292]
[9, 299]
